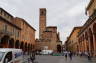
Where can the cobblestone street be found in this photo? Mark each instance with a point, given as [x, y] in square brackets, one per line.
[61, 59]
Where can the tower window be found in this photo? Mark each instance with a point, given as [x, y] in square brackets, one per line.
[43, 13]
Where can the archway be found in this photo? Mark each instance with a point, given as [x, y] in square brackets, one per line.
[31, 46]
[25, 46]
[28, 48]
[91, 42]
[17, 44]
[87, 44]
[59, 48]
[4, 41]
[22, 45]
[11, 43]
[86, 36]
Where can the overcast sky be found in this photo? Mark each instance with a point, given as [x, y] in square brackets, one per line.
[65, 14]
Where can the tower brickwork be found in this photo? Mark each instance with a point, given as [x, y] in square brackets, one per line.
[42, 22]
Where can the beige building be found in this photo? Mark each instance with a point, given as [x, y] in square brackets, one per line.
[72, 41]
[49, 38]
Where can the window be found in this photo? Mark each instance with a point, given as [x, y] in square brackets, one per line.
[18, 34]
[4, 14]
[5, 27]
[43, 12]
[18, 54]
[13, 31]
[1, 55]
[8, 57]
[9, 17]
[0, 11]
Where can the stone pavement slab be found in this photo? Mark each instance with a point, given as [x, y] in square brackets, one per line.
[77, 60]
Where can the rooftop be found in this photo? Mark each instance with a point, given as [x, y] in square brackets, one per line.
[26, 23]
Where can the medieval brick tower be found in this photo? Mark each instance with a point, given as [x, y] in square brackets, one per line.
[42, 22]
[48, 36]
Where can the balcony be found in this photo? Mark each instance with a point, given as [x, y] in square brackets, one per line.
[6, 32]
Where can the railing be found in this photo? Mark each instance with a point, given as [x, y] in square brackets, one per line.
[5, 32]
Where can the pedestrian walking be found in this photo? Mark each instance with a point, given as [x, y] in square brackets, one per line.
[66, 55]
[32, 57]
[89, 57]
[70, 55]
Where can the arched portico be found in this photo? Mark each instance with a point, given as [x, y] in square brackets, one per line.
[91, 42]
[87, 44]
[31, 46]
[11, 43]
[4, 41]
[17, 44]
[59, 48]
[22, 45]
[26, 47]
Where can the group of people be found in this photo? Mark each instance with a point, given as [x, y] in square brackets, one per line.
[85, 54]
[71, 54]
[32, 57]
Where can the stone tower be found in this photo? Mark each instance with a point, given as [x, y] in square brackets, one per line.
[42, 22]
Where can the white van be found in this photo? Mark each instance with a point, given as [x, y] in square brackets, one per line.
[11, 55]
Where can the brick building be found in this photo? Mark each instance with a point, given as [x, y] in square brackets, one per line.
[48, 36]
[15, 32]
[9, 32]
[27, 34]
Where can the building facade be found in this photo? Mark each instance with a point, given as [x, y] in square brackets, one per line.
[9, 32]
[87, 35]
[48, 36]
[27, 34]
[15, 32]
[72, 41]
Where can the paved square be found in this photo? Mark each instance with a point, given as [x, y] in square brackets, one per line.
[62, 59]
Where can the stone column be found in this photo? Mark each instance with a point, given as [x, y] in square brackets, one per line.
[94, 41]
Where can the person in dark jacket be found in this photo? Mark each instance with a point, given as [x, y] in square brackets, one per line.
[32, 57]
[89, 56]
[70, 55]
